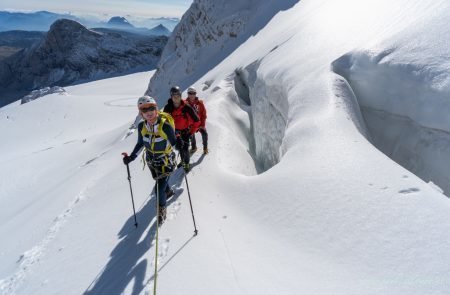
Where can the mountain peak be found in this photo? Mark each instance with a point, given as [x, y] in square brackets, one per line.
[65, 34]
[119, 21]
[160, 30]
[64, 24]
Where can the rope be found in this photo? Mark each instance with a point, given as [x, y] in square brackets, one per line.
[156, 237]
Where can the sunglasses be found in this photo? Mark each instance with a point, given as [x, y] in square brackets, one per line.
[149, 109]
[192, 93]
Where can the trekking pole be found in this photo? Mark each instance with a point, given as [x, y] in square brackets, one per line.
[131, 190]
[190, 202]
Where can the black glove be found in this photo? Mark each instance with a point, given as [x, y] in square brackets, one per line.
[127, 159]
[179, 144]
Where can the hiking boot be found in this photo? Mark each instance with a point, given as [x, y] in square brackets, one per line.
[193, 150]
[169, 193]
[162, 214]
[205, 151]
[186, 167]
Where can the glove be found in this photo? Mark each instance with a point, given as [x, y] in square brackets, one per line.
[127, 159]
[179, 144]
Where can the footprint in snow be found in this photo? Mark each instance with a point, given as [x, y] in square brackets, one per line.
[409, 190]
[164, 248]
[173, 210]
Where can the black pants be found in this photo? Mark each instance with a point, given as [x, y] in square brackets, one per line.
[204, 139]
[184, 152]
[160, 173]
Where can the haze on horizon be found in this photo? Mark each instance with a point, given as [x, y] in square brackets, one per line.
[103, 8]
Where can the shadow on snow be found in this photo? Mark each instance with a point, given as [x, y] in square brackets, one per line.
[126, 263]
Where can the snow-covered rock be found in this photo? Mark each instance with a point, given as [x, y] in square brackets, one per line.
[206, 34]
[43, 92]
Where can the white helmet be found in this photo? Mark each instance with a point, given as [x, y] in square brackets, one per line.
[146, 101]
[191, 89]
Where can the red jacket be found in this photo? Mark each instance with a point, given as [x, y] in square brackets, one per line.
[199, 107]
[184, 116]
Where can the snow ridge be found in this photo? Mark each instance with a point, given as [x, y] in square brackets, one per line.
[404, 99]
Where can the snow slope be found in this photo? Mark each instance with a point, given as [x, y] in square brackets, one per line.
[294, 197]
[56, 149]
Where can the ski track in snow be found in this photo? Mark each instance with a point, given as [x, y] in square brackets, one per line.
[121, 102]
[409, 190]
[30, 258]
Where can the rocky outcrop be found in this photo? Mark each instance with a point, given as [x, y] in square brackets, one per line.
[35, 94]
[70, 53]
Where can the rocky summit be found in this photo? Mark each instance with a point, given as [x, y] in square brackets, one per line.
[70, 53]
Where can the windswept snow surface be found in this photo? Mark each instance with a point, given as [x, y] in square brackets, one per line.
[294, 197]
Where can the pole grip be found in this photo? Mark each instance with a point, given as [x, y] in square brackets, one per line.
[128, 167]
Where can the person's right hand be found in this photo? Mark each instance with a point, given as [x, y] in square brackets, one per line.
[127, 159]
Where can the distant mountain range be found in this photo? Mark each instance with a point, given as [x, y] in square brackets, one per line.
[36, 21]
[21, 30]
[169, 23]
[121, 23]
[157, 31]
[42, 20]
[70, 53]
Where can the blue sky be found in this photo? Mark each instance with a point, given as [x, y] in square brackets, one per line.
[144, 8]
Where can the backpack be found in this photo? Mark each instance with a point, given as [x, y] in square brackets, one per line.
[165, 117]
